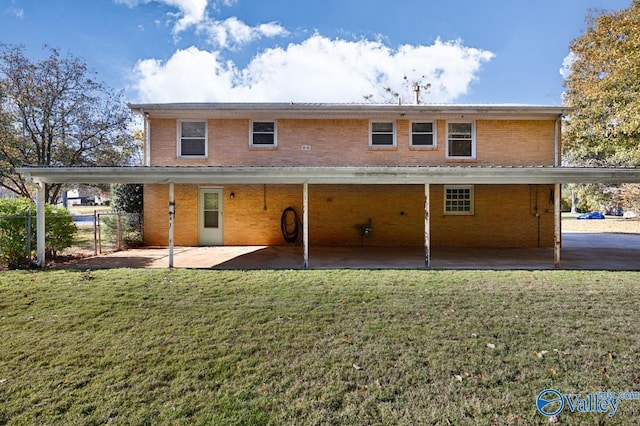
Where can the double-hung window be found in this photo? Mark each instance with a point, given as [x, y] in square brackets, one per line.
[382, 134]
[458, 199]
[423, 134]
[461, 140]
[192, 136]
[263, 134]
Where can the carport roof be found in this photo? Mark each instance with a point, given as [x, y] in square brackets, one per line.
[331, 175]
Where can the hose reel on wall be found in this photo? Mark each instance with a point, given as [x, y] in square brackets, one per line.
[290, 225]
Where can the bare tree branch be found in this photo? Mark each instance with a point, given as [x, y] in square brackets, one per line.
[54, 113]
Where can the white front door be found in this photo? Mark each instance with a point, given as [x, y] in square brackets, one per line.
[210, 216]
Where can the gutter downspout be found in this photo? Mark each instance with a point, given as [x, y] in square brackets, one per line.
[556, 141]
[557, 205]
[147, 138]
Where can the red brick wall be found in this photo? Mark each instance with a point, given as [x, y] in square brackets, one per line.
[504, 215]
[346, 143]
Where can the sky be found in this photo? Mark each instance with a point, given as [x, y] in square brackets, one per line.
[466, 51]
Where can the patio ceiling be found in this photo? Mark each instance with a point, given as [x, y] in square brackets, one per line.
[331, 175]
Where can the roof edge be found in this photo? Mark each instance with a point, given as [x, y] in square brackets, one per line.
[331, 109]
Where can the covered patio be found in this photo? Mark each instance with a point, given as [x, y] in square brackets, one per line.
[581, 251]
[304, 256]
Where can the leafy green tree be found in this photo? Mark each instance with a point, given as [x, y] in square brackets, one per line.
[54, 113]
[630, 197]
[127, 198]
[603, 88]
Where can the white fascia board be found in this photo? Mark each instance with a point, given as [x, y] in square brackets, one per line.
[346, 111]
[331, 175]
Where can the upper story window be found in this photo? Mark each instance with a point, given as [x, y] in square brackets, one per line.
[263, 133]
[382, 134]
[461, 140]
[423, 134]
[458, 199]
[193, 139]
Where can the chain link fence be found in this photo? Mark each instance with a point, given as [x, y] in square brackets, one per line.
[105, 232]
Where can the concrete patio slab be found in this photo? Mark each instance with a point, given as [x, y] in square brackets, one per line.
[587, 251]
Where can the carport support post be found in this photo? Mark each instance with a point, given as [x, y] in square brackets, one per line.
[427, 228]
[172, 212]
[305, 222]
[40, 224]
[557, 224]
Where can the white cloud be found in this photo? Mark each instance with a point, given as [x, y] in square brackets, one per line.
[191, 12]
[232, 32]
[317, 70]
[567, 63]
[189, 75]
[227, 34]
[18, 12]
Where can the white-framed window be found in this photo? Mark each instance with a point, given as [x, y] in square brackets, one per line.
[423, 134]
[382, 134]
[458, 199]
[192, 139]
[263, 134]
[461, 139]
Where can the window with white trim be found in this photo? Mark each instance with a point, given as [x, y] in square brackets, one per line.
[192, 137]
[458, 199]
[461, 140]
[263, 134]
[382, 134]
[423, 134]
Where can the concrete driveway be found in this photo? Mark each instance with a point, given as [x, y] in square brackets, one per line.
[582, 250]
[588, 251]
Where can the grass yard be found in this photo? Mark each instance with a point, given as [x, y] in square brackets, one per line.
[313, 347]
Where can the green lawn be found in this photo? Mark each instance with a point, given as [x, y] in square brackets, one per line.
[313, 347]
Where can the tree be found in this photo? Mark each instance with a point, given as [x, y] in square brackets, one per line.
[127, 198]
[604, 91]
[53, 113]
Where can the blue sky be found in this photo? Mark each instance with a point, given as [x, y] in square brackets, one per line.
[470, 51]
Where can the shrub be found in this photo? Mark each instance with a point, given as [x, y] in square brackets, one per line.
[130, 228]
[13, 235]
[59, 231]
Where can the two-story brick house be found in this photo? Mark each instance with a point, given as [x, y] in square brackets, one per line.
[451, 138]
[376, 175]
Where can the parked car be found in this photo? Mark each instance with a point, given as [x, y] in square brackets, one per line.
[592, 215]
